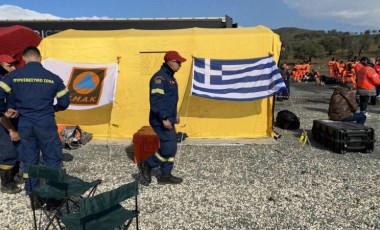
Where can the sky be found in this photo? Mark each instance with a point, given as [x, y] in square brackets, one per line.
[340, 15]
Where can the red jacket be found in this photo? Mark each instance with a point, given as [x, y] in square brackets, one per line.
[367, 79]
[377, 69]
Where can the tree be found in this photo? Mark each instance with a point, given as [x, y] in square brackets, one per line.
[345, 39]
[354, 46]
[285, 50]
[332, 33]
[307, 50]
[364, 42]
[331, 44]
[377, 39]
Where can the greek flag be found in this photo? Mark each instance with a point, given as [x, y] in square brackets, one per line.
[236, 80]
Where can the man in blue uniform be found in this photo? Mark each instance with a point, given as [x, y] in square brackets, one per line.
[162, 117]
[34, 89]
[9, 138]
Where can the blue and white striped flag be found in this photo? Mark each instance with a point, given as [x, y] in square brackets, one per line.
[236, 80]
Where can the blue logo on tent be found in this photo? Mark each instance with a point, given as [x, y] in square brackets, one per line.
[86, 83]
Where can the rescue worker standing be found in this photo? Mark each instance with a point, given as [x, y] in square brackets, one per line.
[163, 117]
[34, 89]
[9, 138]
[367, 79]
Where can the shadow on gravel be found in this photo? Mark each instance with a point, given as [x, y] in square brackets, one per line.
[297, 133]
[129, 151]
[155, 173]
[67, 157]
[374, 112]
[314, 144]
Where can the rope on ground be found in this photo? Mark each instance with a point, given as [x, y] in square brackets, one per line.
[292, 97]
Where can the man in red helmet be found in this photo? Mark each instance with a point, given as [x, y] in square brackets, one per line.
[163, 116]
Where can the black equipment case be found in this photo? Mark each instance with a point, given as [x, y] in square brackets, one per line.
[344, 137]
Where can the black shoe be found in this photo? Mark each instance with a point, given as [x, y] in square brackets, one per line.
[8, 185]
[145, 171]
[169, 179]
[10, 188]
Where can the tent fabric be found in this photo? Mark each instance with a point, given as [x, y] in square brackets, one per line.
[14, 39]
[139, 54]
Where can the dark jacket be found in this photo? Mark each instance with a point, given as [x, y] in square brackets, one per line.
[34, 89]
[342, 104]
[163, 96]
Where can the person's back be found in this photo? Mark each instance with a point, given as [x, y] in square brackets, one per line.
[331, 65]
[367, 79]
[342, 104]
[35, 89]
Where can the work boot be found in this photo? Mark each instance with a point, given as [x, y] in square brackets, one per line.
[19, 179]
[8, 185]
[145, 171]
[169, 179]
[16, 175]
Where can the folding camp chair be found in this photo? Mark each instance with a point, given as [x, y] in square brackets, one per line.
[59, 190]
[104, 211]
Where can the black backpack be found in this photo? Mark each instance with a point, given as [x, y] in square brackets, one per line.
[287, 120]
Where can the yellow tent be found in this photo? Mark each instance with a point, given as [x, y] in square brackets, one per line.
[139, 54]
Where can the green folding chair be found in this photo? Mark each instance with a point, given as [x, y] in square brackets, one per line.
[104, 211]
[63, 189]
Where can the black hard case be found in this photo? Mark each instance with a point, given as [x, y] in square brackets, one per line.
[344, 137]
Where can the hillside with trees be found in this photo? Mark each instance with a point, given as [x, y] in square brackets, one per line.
[318, 46]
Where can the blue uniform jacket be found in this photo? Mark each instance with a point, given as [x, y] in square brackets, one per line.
[8, 102]
[3, 101]
[34, 89]
[163, 96]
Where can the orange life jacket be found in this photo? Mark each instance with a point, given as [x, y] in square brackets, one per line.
[349, 76]
[357, 67]
[367, 78]
[331, 65]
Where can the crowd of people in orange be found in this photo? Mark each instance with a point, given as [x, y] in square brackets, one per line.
[341, 72]
[344, 71]
[302, 71]
[363, 74]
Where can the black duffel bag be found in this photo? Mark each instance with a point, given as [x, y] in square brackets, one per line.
[287, 120]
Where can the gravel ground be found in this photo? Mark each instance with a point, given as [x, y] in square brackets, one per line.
[276, 186]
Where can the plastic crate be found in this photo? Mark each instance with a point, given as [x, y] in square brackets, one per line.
[145, 143]
[342, 137]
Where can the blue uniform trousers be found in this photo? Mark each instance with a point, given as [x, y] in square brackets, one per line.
[36, 138]
[8, 150]
[164, 158]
